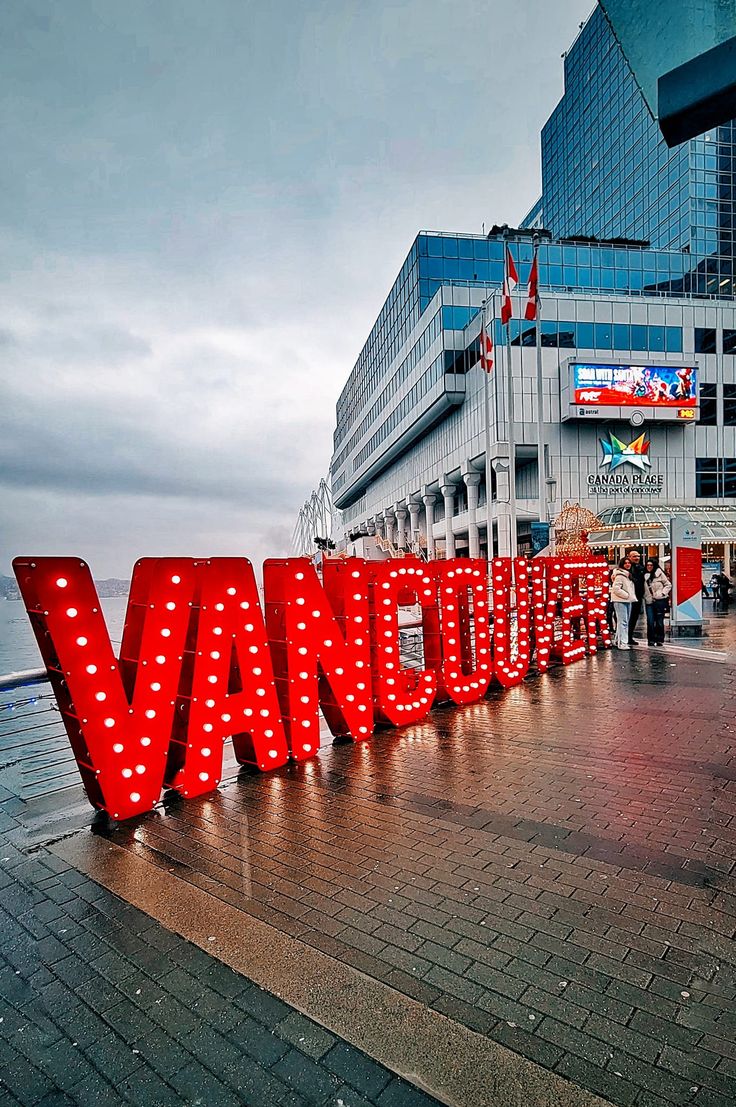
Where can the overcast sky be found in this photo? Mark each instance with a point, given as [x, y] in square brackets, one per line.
[204, 205]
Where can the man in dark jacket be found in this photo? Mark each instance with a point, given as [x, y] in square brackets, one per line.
[637, 576]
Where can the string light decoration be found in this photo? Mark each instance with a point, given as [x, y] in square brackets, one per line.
[228, 688]
[464, 668]
[510, 670]
[199, 662]
[400, 696]
[321, 647]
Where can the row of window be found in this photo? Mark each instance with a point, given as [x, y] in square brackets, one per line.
[715, 477]
[430, 333]
[409, 402]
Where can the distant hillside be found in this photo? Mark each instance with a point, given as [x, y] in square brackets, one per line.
[105, 588]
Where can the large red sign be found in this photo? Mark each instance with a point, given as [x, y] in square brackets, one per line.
[201, 661]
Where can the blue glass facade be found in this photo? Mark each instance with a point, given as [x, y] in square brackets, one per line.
[607, 172]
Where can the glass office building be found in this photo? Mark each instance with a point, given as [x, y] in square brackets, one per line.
[421, 447]
[607, 172]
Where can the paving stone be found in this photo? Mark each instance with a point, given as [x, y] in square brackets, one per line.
[356, 1069]
[305, 1035]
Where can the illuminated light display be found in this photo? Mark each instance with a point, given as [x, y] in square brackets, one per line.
[228, 687]
[546, 595]
[119, 715]
[462, 659]
[198, 662]
[400, 696]
[510, 670]
[321, 646]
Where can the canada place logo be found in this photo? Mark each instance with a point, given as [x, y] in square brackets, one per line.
[616, 452]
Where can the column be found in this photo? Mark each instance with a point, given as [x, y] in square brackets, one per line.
[429, 499]
[380, 524]
[390, 524]
[472, 480]
[503, 514]
[400, 526]
[414, 509]
[448, 495]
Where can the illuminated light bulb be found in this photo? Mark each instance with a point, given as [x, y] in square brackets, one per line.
[226, 717]
[303, 650]
[72, 612]
[100, 696]
[390, 665]
[301, 601]
[203, 777]
[215, 655]
[140, 769]
[212, 679]
[135, 797]
[165, 633]
[391, 696]
[150, 714]
[81, 641]
[359, 665]
[219, 607]
[217, 630]
[390, 680]
[145, 741]
[91, 669]
[118, 747]
[109, 722]
[299, 576]
[206, 751]
[127, 773]
[176, 580]
[358, 619]
[399, 706]
[231, 591]
[264, 712]
[155, 687]
[301, 626]
[245, 605]
[160, 659]
[360, 687]
[307, 749]
[207, 727]
[170, 606]
[252, 649]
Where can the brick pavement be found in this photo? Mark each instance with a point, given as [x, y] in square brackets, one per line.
[552, 868]
[101, 1005]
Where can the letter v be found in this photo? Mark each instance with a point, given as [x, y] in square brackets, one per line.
[118, 715]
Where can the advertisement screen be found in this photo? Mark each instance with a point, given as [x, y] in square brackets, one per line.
[636, 385]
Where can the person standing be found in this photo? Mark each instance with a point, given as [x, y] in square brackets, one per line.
[637, 577]
[623, 595]
[657, 588]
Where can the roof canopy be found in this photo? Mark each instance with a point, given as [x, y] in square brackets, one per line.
[643, 524]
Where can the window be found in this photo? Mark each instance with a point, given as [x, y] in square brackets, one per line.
[706, 477]
[708, 405]
[729, 342]
[729, 405]
[715, 477]
[705, 340]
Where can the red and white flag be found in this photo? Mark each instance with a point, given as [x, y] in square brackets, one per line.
[532, 295]
[510, 281]
[486, 350]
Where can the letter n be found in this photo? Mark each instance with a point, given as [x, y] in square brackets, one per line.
[320, 643]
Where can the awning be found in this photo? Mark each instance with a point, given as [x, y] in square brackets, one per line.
[640, 524]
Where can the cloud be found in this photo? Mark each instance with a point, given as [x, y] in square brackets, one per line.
[205, 206]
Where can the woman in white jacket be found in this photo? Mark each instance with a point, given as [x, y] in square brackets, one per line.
[623, 594]
[657, 588]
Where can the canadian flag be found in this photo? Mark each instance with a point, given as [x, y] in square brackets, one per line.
[486, 350]
[532, 300]
[510, 281]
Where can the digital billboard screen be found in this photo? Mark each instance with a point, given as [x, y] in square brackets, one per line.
[656, 386]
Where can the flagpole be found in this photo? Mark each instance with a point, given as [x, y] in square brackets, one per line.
[510, 421]
[541, 468]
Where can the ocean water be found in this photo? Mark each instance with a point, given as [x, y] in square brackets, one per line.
[18, 649]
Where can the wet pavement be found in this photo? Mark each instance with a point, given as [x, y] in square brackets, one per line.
[525, 901]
